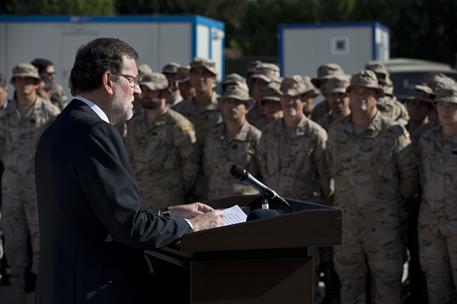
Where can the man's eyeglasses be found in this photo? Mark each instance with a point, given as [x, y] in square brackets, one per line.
[134, 81]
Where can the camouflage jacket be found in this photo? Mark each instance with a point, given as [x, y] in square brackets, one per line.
[203, 120]
[163, 156]
[438, 174]
[373, 169]
[19, 137]
[292, 161]
[221, 152]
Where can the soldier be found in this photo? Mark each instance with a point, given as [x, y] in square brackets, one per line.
[162, 147]
[438, 209]
[170, 70]
[185, 87]
[250, 70]
[337, 99]
[419, 104]
[388, 104]
[373, 168]
[21, 125]
[232, 142]
[263, 75]
[271, 104]
[202, 111]
[291, 150]
[324, 72]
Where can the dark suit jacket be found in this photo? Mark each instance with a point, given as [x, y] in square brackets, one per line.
[92, 225]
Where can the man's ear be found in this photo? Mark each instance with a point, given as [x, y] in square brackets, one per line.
[107, 83]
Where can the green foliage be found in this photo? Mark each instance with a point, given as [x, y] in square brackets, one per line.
[61, 7]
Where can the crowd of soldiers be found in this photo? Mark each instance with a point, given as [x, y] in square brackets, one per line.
[390, 165]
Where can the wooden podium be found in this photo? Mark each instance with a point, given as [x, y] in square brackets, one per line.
[259, 261]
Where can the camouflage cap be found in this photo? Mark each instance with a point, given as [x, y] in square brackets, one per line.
[144, 69]
[378, 68]
[252, 66]
[154, 81]
[365, 79]
[266, 71]
[231, 79]
[170, 68]
[326, 71]
[337, 84]
[208, 64]
[437, 80]
[238, 91]
[183, 73]
[25, 70]
[272, 91]
[297, 85]
[447, 93]
[420, 92]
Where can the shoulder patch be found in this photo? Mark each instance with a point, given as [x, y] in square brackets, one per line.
[186, 128]
[406, 135]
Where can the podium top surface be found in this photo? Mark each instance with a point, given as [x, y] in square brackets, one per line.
[307, 224]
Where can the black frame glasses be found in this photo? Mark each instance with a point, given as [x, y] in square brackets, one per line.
[133, 81]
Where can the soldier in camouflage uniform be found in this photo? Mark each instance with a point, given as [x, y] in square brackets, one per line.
[170, 70]
[185, 87]
[21, 125]
[324, 72]
[291, 150]
[263, 75]
[162, 147]
[202, 111]
[419, 104]
[373, 168]
[337, 99]
[271, 104]
[438, 209]
[232, 142]
[388, 104]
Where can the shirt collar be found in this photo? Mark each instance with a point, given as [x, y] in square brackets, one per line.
[94, 107]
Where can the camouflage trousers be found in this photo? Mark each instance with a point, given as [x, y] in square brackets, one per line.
[19, 221]
[438, 258]
[370, 249]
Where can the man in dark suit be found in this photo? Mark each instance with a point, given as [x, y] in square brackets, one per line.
[93, 228]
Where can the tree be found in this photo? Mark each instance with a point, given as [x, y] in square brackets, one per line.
[51, 7]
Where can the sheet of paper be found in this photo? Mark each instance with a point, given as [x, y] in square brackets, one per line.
[234, 215]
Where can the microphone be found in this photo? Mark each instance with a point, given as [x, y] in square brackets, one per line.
[244, 176]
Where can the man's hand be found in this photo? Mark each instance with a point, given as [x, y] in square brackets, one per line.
[189, 211]
[207, 220]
